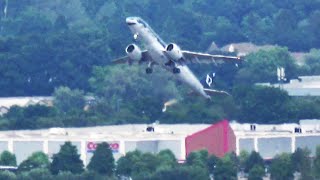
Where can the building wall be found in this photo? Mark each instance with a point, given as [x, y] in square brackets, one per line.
[155, 146]
[174, 146]
[231, 140]
[246, 144]
[23, 149]
[218, 139]
[310, 142]
[269, 147]
[3, 146]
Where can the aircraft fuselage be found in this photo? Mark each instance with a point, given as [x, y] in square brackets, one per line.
[156, 48]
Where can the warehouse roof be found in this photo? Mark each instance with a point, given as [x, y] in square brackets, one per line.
[115, 132]
[159, 131]
[24, 101]
[306, 127]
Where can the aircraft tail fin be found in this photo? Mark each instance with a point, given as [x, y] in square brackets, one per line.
[208, 83]
[208, 80]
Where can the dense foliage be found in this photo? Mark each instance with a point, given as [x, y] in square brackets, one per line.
[48, 44]
[137, 165]
[36, 160]
[64, 49]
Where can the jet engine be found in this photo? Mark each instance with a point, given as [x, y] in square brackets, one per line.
[134, 52]
[174, 52]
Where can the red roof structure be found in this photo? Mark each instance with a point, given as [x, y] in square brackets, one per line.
[218, 139]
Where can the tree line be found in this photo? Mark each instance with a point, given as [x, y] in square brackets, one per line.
[66, 164]
[125, 94]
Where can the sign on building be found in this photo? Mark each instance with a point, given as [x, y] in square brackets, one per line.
[92, 146]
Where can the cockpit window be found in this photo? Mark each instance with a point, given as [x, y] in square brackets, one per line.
[131, 23]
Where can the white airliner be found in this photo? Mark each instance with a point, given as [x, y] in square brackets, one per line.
[170, 57]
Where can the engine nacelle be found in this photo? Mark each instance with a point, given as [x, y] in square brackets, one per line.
[174, 52]
[134, 52]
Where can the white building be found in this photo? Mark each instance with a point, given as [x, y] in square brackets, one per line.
[122, 139]
[270, 140]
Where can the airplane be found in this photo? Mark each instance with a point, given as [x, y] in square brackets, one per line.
[170, 57]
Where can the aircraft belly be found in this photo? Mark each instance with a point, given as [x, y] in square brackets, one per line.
[189, 78]
[185, 75]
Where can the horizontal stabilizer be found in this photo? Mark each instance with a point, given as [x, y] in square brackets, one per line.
[213, 92]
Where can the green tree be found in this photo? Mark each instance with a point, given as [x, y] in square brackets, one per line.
[268, 104]
[37, 173]
[212, 163]
[125, 163]
[67, 100]
[27, 117]
[166, 159]
[95, 176]
[256, 173]
[302, 163]
[254, 159]
[257, 29]
[225, 169]
[312, 61]
[281, 167]
[225, 30]
[286, 21]
[36, 160]
[7, 175]
[63, 175]
[243, 157]
[8, 159]
[125, 96]
[182, 172]
[197, 159]
[316, 163]
[145, 167]
[262, 66]
[67, 159]
[102, 160]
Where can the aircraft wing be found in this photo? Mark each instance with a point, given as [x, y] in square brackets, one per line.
[194, 57]
[121, 60]
[125, 59]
